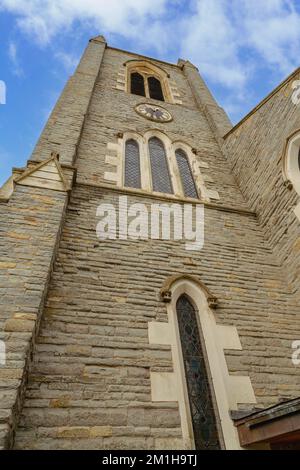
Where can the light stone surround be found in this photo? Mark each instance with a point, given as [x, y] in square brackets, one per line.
[7, 189]
[147, 68]
[229, 391]
[291, 171]
[117, 161]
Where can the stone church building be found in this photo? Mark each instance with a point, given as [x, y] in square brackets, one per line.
[140, 343]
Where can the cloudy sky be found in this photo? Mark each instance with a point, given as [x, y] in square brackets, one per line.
[243, 48]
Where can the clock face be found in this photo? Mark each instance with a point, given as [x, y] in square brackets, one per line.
[154, 113]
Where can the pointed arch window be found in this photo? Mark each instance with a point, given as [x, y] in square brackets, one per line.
[161, 180]
[155, 89]
[132, 177]
[186, 176]
[137, 84]
[200, 398]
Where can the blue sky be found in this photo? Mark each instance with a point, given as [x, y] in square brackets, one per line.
[243, 48]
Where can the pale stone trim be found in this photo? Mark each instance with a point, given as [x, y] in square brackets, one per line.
[110, 160]
[169, 155]
[47, 174]
[297, 211]
[195, 169]
[208, 179]
[212, 194]
[241, 391]
[116, 161]
[144, 165]
[36, 182]
[121, 80]
[111, 176]
[169, 197]
[147, 68]
[163, 386]
[229, 390]
[228, 337]
[118, 176]
[7, 189]
[113, 146]
[290, 165]
[169, 443]
[160, 333]
[166, 291]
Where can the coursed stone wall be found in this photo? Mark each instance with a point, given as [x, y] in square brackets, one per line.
[90, 381]
[255, 152]
[112, 112]
[89, 384]
[30, 228]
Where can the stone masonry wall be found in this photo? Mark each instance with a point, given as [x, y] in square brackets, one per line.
[254, 150]
[112, 111]
[90, 380]
[63, 130]
[29, 228]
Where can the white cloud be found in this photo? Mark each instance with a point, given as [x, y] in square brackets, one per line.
[213, 35]
[13, 56]
[229, 40]
[68, 60]
[42, 19]
[211, 43]
[223, 34]
[272, 29]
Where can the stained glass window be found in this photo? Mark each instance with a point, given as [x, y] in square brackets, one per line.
[132, 164]
[200, 398]
[155, 90]
[161, 180]
[186, 175]
[137, 85]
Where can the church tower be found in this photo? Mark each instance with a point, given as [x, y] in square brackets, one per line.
[121, 330]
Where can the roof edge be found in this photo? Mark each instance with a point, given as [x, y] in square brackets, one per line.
[263, 102]
[141, 56]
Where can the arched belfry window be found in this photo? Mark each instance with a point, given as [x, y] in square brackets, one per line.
[199, 393]
[137, 84]
[132, 178]
[186, 176]
[155, 89]
[147, 79]
[161, 180]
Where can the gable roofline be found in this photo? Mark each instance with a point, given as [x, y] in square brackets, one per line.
[141, 56]
[30, 171]
[263, 102]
